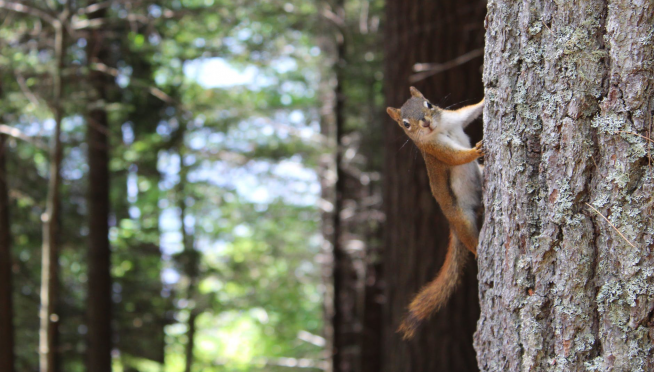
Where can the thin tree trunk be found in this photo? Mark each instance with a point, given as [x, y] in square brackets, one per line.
[327, 176]
[345, 350]
[49, 264]
[189, 258]
[569, 89]
[6, 303]
[416, 231]
[99, 259]
[190, 344]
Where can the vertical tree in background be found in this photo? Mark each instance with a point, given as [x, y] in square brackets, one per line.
[188, 258]
[565, 256]
[343, 272]
[99, 254]
[352, 90]
[50, 256]
[327, 174]
[140, 324]
[6, 303]
[6, 290]
[446, 35]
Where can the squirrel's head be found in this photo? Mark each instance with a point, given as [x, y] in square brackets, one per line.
[417, 116]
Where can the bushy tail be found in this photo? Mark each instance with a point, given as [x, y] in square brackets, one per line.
[434, 295]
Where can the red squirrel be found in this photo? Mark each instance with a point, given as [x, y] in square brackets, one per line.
[455, 181]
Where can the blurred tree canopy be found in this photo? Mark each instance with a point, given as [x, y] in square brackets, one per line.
[218, 144]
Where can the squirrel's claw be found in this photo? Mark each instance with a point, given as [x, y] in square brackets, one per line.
[480, 148]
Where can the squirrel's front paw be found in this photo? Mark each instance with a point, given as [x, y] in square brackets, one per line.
[479, 148]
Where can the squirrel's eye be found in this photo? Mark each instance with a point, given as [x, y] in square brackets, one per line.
[406, 123]
[428, 105]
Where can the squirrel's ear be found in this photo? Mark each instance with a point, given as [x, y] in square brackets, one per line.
[415, 92]
[394, 113]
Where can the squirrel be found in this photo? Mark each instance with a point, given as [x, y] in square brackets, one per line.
[455, 182]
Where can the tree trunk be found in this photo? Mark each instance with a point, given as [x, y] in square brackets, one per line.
[190, 343]
[146, 341]
[6, 303]
[354, 223]
[99, 259]
[416, 231]
[569, 87]
[190, 259]
[48, 316]
[351, 186]
[326, 174]
[345, 342]
[331, 274]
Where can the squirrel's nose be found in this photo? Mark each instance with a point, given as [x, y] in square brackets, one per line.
[425, 122]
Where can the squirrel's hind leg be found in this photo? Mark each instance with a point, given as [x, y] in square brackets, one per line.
[464, 227]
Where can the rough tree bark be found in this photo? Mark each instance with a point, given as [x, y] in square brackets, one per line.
[6, 303]
[569, 87]
[416, 231]
[99, 254]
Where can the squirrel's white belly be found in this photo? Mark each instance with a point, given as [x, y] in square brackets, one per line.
[466, 184]
[465, 178]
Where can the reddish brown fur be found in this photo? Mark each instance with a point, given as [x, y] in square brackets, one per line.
[464, 226]
[450, 156]
[435, 294]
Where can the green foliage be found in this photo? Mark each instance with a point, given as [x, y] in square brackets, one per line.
[239, 159]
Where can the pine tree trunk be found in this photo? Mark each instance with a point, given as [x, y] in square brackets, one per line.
[189, 259]
[351, 190]
[190, 343]
[569, 87]
[337, 267]
[346, 348]
[416, 231]
[99, 259]
[6, 303]
[327, 175]
[49, 319]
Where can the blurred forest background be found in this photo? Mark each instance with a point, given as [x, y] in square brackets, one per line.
[196, 185]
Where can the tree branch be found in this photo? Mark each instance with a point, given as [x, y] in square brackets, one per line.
[85, 24]
[95, 7]
[153, 90]
[16, 133]
[425, 70]
[30, 10]
[26, 90]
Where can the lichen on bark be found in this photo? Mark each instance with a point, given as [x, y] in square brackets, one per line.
[569, 85]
